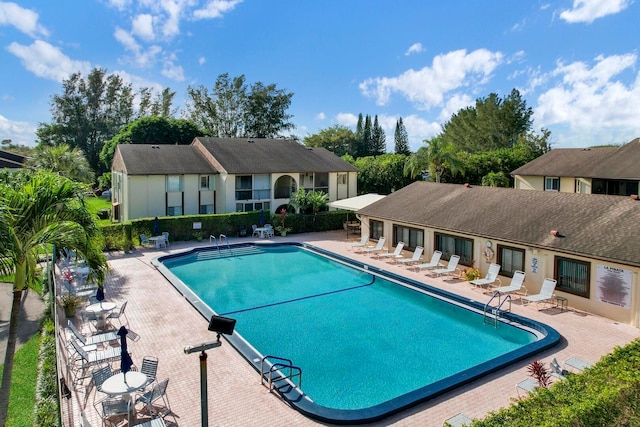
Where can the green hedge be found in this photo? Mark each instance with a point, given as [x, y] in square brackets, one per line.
[180, 228]
[46, 407]
[607, 394]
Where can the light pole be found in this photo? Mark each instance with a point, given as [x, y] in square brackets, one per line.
[220, 325]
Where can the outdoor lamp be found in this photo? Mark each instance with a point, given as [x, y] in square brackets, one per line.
[219, 325]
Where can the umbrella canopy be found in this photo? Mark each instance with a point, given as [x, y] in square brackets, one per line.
[125, 358]
[156, 226]
[100, 294]
[261, 217]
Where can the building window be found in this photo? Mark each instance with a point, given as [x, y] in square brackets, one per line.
[573, 276]
[342, 179]
[174, 210]
[250, 207]
[412, 237]
[243, 187]
[552, 183]
[454, 245]
[375, 229]
[510, 260]
[174, 183]
[581, 186]
[206, 209]
[321, 182]
[207, 182]
[261, 187]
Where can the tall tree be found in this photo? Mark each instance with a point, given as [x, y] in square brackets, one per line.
[89, 112]
[401, 139]
[381, 174]
[231, 110]
[62, 159]
[365, 146]
[417, 163]
[442, 155]
[491, 124]
[148, 130]
[338, 139]
[378, 139]
[359, 136]
[39, 209]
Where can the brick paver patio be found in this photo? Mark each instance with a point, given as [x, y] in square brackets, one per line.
[167, 323]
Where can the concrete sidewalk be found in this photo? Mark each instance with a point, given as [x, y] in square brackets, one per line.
[30, 316]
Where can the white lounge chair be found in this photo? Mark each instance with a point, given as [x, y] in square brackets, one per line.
[451, 267]
[545, 295]
[397, 253]
[434, 263]
[363, 243]
[490, 279]
[377, 248]
[458, 420]
[417, 253]
[577, 363]
[516, 285]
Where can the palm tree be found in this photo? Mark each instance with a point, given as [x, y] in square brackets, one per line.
[62, 159]
[442, 155]
[37, 210]
[417, 163]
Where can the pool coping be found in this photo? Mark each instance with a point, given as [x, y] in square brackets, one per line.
[383, 410]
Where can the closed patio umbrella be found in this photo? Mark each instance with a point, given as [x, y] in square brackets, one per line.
[100, 295]
[125, 358]
[156, 226]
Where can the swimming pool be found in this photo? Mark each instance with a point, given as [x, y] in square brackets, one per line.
[369, 343]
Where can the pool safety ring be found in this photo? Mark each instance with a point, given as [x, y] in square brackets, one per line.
[488, 254]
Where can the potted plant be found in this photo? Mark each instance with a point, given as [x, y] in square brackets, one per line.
[70, 304]
[471, 274]
[281, 228]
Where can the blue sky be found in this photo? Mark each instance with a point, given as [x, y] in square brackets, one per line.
[575, 62]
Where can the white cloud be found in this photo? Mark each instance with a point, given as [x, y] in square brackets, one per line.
[119, 4]
[171, 70]
[347, 119]
[141, 58]
[590, 10]
[593, 97]
[45, 60]
[414, 48]
[142, 26]
[25, 20]
[202, 60]
[215, 9]
[427, 87]
[20, 133]
[320, 116]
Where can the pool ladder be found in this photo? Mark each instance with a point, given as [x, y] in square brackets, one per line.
[222, 238]
[492, 312]
[282, 373]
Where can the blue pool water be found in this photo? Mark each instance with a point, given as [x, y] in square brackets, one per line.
[367, 344]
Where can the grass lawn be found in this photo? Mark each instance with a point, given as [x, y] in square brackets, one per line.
[96, 204]
[23, 384]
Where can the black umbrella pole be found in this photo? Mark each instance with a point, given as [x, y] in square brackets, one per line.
[203, 389]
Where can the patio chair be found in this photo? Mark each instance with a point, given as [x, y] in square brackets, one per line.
[516, 285]
[434, 263]
[576, 363]
[557, 371]
[119, 315]
[364, 239]
[417, 253]
[165, 234]
[154, 422]
[149, 367]
[269, 232]
[396, 254]
[158, 392]
[113, 410]
[490, 279]
[86, 340]
[527, 385]
[545, 295]
[100, 375]
[377, 248]
[144, 241]
[86, 358]
[256, 233]
[447, 271]
[458, 420]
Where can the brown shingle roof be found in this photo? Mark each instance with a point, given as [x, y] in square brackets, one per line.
[598, 162]
[596, 226]
[144, 159]
[11, 160]
[253, 155]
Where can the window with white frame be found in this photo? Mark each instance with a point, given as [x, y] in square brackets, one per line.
[174, 183]
[552, 183]
[207, 182]
[573, 276]
[342, 179]
[510, 260]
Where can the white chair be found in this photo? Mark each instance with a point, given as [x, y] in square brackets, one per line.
[458, 420]
[397, 253]
[434, 263]
[451, 267]
[118, 315]
[377, 248]
[256, 233]
[545, 295]
[417, 253]
[158, 392]
[165, 234]
[268, 230]
[363, 243]
[490, 279]
[516, 285]
[576, 363]
[144, 241]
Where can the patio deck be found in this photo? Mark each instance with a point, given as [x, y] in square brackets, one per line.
[167, 323]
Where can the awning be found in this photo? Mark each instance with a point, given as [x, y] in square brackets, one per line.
[355, 203]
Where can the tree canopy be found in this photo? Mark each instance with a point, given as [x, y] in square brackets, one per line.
[338, 139]
[232, 110]
[66, 161]
[491, 124]
[401, 139]
[151, 130]
[381, 174]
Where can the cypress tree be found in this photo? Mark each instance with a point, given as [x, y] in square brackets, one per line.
[378, 139]
[366, 137]
[401, 139]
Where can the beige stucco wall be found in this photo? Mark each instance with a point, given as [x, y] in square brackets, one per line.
[528, 182]
[545, 268]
